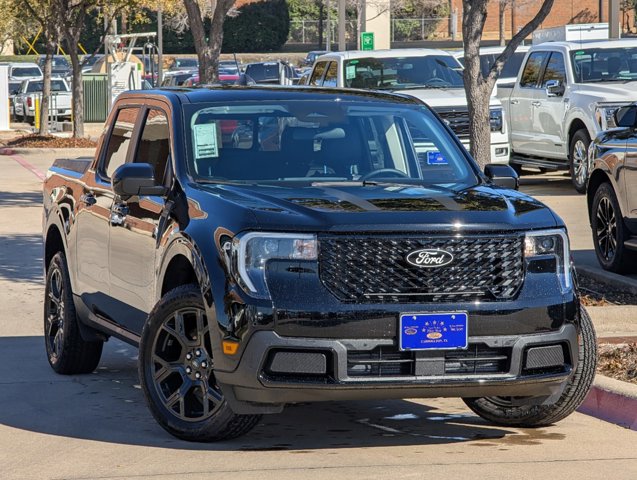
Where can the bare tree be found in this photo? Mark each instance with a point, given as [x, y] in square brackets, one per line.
[207, 43]
[479, 86]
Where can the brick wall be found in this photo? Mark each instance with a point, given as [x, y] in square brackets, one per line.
[563, 12]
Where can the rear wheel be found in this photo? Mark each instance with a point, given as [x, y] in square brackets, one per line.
[578, 154]
[610, 232]
[66, 350]
[176, 368]
[521, 412]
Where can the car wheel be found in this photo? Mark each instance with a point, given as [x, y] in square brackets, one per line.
[578, 154]
[67, 351]
[610, 232]
[522, 412]
[176, 369]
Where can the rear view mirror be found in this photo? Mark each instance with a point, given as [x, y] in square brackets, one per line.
[626, 116]
[133, 179]
[554, 88]
[503, 176]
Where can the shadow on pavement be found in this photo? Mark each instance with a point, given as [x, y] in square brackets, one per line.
[108, 406]
[21, 258]
[548, 184]
[20, 199]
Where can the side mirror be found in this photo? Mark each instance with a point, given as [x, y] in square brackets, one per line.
[626, 116]
[503, 176]
[135, 179]
[554, 88]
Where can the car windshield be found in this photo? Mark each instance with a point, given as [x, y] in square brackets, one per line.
[324, 141]
[591, 65]
[510, 69]
[26, 72]
[430, 71]
[186, 63]
[263, 71]
[56, 86]
[89, 61]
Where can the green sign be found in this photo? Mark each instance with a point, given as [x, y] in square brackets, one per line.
[367, 41]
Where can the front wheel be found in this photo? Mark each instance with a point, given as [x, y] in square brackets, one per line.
[578, 152]
[176, 369]
[521, 412]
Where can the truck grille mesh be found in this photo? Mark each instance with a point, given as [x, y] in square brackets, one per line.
[373, 269]
[458, 119]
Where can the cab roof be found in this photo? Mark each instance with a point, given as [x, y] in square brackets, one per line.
[621, 43]
[390, 53]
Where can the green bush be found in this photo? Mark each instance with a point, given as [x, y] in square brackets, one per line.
[259, 27]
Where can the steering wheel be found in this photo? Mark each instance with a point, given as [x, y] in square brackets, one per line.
[376, 173]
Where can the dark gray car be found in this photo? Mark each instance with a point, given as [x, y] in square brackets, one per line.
[612, 193]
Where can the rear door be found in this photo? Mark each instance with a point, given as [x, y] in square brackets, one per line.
[523, 101]
[134, 224]
[93, 216]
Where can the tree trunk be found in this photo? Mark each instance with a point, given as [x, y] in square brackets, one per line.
[46, 88]
[477, 87]
[77, 90]
[320, 28]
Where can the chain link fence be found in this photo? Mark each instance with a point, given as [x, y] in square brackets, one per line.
[307, 31]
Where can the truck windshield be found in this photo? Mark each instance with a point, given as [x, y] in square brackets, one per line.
[56, 86]
[323, 141]
[26, 72]
[604, 64]
[260, 72]
[430, 71]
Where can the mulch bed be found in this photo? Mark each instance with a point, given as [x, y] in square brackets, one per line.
[594, 294]
[618, 361]
[49, 141]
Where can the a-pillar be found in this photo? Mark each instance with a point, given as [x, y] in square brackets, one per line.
[378, 20]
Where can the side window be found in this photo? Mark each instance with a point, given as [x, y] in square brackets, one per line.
[555, 69]
[317, 74]
[531, 73]
[119, 140]
[330, 77]
[154, 144]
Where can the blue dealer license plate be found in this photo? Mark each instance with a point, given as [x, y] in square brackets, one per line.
[431, 331]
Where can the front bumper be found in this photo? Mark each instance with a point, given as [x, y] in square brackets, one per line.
[330, 369]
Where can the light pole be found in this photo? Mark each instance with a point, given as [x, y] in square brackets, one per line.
[342, 22]
[328, 27]
[160, 46]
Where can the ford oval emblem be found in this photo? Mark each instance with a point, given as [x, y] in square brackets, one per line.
[429, 258]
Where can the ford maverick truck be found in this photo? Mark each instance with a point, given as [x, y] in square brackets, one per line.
[264, 246]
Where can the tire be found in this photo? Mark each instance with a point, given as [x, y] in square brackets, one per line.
[68, 353]
[578, 160]
[176, 371]
[513, 412]
[610, 232]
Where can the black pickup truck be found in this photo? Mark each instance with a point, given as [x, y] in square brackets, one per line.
[265, 246]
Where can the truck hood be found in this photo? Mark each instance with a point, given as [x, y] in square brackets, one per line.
[444, 97]
[334, 207]
[610, 92]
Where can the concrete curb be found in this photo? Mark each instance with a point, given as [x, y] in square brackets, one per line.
[613, 401]
[72, 152]
[620, 282]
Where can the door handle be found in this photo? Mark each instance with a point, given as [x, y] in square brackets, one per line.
[536, 104]
[514, 102]
[118, 214]
[88, 199]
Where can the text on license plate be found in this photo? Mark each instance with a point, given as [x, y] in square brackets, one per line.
[424, 331]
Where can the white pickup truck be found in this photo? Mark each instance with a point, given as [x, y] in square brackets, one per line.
[59, 106]
[565, 94]
[433, 76]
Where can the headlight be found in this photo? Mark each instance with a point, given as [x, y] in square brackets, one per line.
[496, 120]
[551, 243]
[252, 251]
[605, 115]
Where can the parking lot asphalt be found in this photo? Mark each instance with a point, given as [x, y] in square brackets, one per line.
[97, 425]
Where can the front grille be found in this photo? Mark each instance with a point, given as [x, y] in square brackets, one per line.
[457, 118]
[388, 361]
[373, 269]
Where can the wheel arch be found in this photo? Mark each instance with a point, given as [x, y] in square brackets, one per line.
[576, 125]
[53, 243]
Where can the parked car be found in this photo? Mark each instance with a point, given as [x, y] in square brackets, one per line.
[433, 76]
[60, 66]
[90, 60]
[311, 57]
[271, 73]
[185, 64]
[564, 96]
[612, 193]
[19, 71]
[14, 88]
[177, 78]
[59, 106]
[488, 56]
[223, 80]
[333, 264]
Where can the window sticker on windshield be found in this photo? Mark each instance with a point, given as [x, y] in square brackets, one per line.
[205, 140]
[436, 158]
[350, 72]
